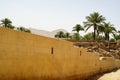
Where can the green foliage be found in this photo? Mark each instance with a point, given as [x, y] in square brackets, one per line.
[60, 34]
[78, 28]
[67, 35]
[102, 30]
[76, 37]
[99, 37]
[108, 29]
[112, 40]
[94, 20]
[28, 31]
[88, 36]
[7, 23]
[118, 32]
[11, 26]
[117, 35]
[23, 29]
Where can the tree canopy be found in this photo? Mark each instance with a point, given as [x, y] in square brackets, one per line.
[7, 23]
[78, 28]
[94, 20]
[102, 30]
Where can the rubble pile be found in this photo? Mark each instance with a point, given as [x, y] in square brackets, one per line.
[104, 53]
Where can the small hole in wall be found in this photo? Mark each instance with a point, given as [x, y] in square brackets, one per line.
[52, 50]
[80, 46]
[80, 53]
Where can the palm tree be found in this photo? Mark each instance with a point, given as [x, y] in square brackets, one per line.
[108, 28]
[60, 34]
[6, 22]
[76, 37]
[94, 20]
[88, 36]
[78, 28]
[67, 35]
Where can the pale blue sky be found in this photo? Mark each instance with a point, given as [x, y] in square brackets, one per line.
[55, 14]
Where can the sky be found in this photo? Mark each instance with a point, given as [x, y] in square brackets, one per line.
[57, 14]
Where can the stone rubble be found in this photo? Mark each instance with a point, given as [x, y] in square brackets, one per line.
[104, 53]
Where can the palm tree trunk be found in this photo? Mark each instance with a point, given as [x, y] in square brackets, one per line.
[5, 25]
[105, 36]
[94, 34]
[108, 37]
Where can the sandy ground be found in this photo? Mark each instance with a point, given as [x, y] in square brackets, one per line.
[111, 76]
[114, 75]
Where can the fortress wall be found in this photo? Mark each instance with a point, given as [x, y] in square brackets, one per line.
[117, 63]
[24, 55]
[109, 64]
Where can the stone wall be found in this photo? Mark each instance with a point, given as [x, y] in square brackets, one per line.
[28, 56]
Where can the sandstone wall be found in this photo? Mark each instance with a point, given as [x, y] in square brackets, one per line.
[28, 56]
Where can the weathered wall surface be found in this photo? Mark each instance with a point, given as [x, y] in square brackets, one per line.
[28, 56]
